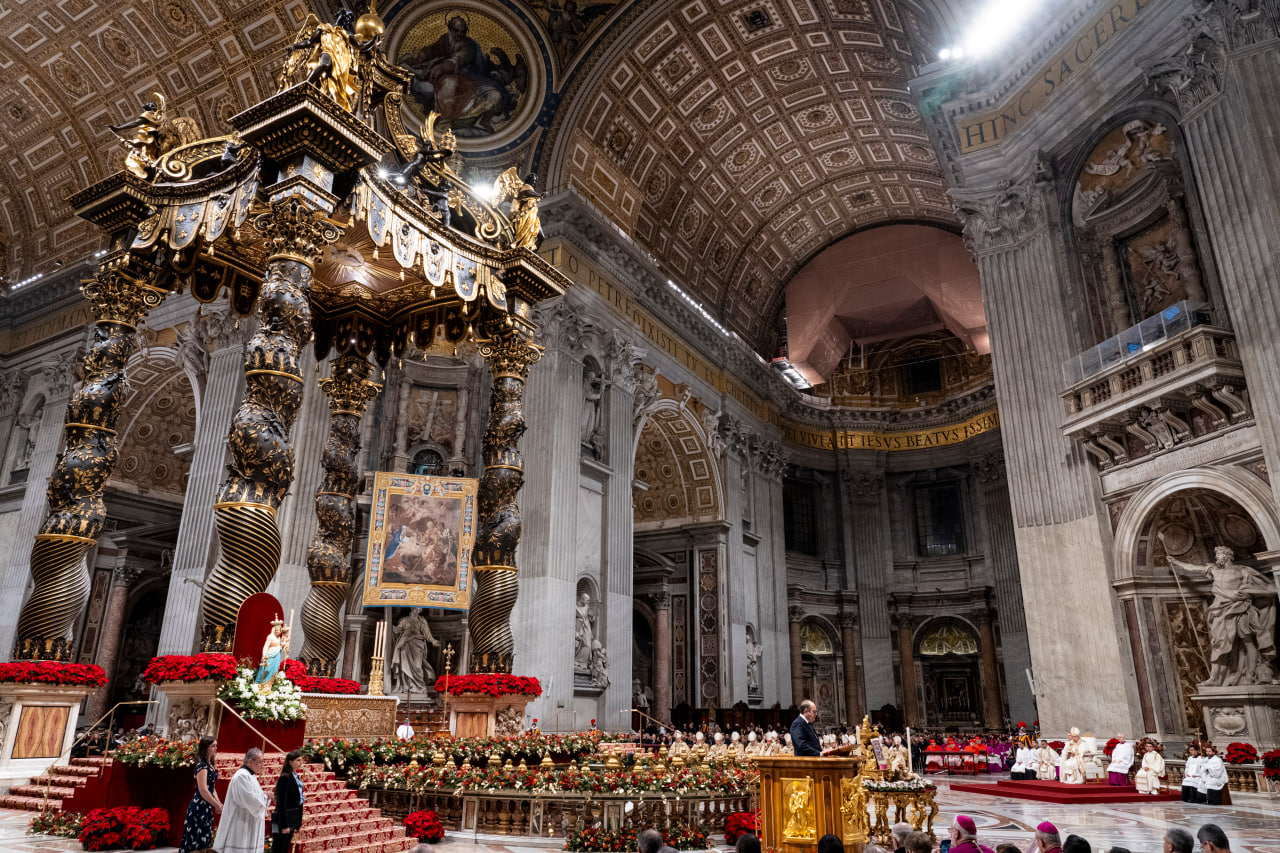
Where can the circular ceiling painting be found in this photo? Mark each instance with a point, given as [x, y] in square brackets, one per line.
[476, 67]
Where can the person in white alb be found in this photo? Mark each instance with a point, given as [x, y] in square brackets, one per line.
[1021, 764]
[1191, 776]
[244, 810]
[1147, 779]
[405, 731]
[1121, 761]
[1213, 775]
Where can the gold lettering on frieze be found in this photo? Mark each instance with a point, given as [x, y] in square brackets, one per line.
[892, 441]
[991, 128]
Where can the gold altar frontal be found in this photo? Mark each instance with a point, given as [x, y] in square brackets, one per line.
[803, 799]
[354, 717]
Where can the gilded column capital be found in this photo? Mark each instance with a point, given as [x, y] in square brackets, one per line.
[348, 386]
[295, 231]
[124, 289]
[509, 355]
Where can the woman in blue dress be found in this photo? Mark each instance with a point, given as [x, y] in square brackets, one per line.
[197, 831]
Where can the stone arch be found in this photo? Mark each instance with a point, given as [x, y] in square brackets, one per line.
[947, 650]
[672, 457]
[1245, 489]
[158, 428]
[420, 455]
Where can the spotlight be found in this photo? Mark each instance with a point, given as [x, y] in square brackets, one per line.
[944, 54]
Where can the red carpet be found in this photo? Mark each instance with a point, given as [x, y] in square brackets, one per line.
[1057, 792]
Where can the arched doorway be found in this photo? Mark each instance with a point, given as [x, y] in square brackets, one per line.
[823, 681]
[138, 643]
[950, 667]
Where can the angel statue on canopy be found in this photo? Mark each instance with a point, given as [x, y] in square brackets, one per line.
[274, 652]
[330, 55]
[523, 213]
[153, 134]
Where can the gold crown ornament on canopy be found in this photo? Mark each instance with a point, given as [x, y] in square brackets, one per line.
[323, 217]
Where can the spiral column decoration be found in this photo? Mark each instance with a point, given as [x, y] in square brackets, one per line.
[509, 355]
[121, 294]
[261, 469]
[328, 559]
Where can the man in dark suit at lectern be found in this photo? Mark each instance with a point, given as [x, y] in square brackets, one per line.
[804, 740]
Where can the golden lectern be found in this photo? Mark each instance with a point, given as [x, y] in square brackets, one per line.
[803, 799]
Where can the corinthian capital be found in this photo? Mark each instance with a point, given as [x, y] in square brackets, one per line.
[624, 356]
[864, 485]
[293, 230]
[1193, 76]
[999, 217]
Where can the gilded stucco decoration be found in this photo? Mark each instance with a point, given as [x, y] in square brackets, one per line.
[949, 638]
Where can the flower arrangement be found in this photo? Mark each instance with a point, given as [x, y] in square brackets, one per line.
[913, 784]
[296, 671]
[124, 827]
[643, 780]
[491, 684]
[339, 754]
[681, 836]
[1057, 745]
[206, 666]
[1241, 753]
[739, 823]
[424, 826]
[57, 824]
[1271, 764]
[283, 702]
[1140, 748]
[157, 752]
[51, 672]
[1111, 745]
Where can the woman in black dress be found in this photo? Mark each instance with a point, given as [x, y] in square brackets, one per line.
[286, 819]
[197, 831]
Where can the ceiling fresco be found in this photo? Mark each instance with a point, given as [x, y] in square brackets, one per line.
[732, 139]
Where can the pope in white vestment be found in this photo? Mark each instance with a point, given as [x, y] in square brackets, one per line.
[1148, 776]
[244, 811]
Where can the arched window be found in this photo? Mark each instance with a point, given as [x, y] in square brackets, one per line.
[427, 462]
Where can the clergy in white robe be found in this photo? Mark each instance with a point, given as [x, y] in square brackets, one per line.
[1121, 761]
[244, 810]
[1148, 776]
[1046, 761]
[1072, 763]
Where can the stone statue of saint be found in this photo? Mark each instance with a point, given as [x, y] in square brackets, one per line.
[582, 634]
[410, 670]
[593, 385]
[639, 696]
[754, 652]
[1242, 618]
[28, 431]
[599, 665]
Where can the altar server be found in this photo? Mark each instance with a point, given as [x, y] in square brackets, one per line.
[244, 812]
[1121, 761]
[1213, 776]
[1191, 776]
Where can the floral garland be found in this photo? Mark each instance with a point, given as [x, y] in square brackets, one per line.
[283, 702]
[51, 672]
[424, 826]
[490, 684]
[730, 781]
[57, 824]
[157, 752]
[740, 823]
[1241, 753]
[339, 754]
[126, 826]
[206, 666]
[681, 836]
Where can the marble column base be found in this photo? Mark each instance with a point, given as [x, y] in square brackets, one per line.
[481, 715]
[1248, 713]
[190, 709]
[39, 728]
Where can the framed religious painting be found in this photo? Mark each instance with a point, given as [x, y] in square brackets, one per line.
[421, 531]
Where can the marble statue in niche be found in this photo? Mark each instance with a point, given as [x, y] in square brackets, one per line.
[593, 386]
[754, 652]
[641, 696]
[1241, 617]
[411, 672]
[28, 430]
[583, 633]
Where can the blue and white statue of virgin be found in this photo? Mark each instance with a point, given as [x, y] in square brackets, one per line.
[274, 651]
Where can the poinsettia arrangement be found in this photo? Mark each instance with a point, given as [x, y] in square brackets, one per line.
[157, 752]
[124, 827]
[1271, 764]
[206, 666]
[1140, 748]
[283, 702]
[1241, 753]
[52, 672]
[680, 835]
[57, 824]
[741, 822]
[340, 754]
[491, 684]
[424, 826]
[1057, 745]
[684, 781]
[1111, 745]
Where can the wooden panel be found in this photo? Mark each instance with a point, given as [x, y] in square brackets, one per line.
[41, 731]
[472, 724]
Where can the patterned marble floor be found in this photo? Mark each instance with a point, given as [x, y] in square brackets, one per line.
[1252, 824]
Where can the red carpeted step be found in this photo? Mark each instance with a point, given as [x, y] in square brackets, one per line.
[30, 804]
[1062, 793]
[42, 791]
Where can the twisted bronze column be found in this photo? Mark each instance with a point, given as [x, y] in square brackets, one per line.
[261, 469]
[349, 391]
[498, 530]
[121, 294]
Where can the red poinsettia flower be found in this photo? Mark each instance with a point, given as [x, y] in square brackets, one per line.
[51, 672]
[491, 684]
[206, 666]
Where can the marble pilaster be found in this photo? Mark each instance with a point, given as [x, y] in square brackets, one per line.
[795, 615]
[868, 564]
[122, 578]
[619, 539]
[907, 668]
[854, 709]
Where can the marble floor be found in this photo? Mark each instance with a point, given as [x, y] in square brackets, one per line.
[1252, 824]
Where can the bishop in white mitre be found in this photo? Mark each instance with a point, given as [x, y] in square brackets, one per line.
[244, 810]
